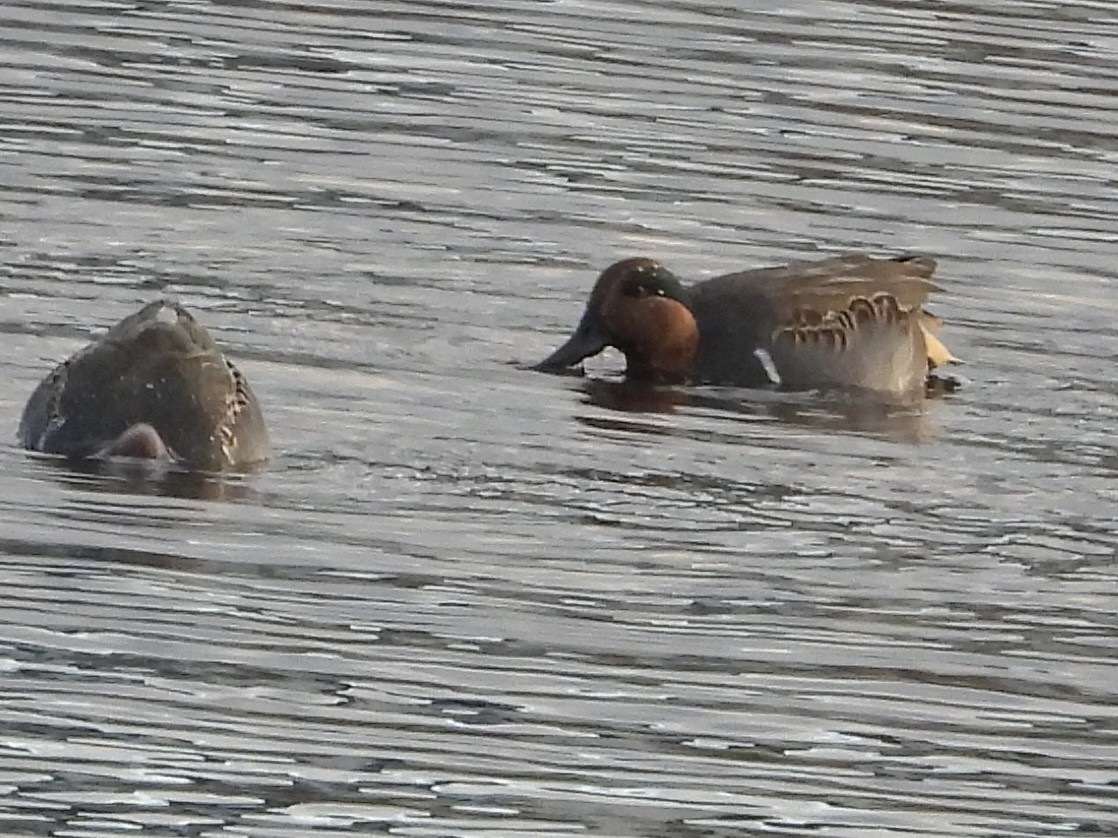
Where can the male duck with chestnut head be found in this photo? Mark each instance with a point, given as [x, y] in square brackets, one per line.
[849, 322]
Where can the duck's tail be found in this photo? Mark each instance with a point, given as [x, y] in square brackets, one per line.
[938, 354]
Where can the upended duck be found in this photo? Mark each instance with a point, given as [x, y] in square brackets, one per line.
[851, 321]
[155, 386]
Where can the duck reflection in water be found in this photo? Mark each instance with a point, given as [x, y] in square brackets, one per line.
[900, 421]
[141, 476]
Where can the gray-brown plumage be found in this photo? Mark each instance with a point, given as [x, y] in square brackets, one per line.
[153, 387]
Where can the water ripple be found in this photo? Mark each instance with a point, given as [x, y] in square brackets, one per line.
[470, 599]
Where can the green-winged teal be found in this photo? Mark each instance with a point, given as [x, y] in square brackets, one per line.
[154, 386]
[846, 322]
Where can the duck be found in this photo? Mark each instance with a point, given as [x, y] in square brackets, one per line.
[156, 387]
[853, 321]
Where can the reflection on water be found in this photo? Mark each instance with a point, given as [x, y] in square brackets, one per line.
[122, 475]
[468, 599]
[634, 397]
[904, 421]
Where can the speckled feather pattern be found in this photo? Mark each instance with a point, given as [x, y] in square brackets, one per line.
[149, 370]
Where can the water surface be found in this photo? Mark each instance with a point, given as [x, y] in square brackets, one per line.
[466, 599]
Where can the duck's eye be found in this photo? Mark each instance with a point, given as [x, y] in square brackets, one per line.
[640, 287]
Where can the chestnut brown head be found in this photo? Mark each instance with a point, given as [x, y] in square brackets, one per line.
[638, 307]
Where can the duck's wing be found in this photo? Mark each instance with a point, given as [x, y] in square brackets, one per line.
[872, 344]
[846, 321]
[213, 418]
[824, 285]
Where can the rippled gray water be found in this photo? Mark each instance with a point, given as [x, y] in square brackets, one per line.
[467, 599]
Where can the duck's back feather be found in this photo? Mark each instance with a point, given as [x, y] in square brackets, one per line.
[801, 315]
[166, 373]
